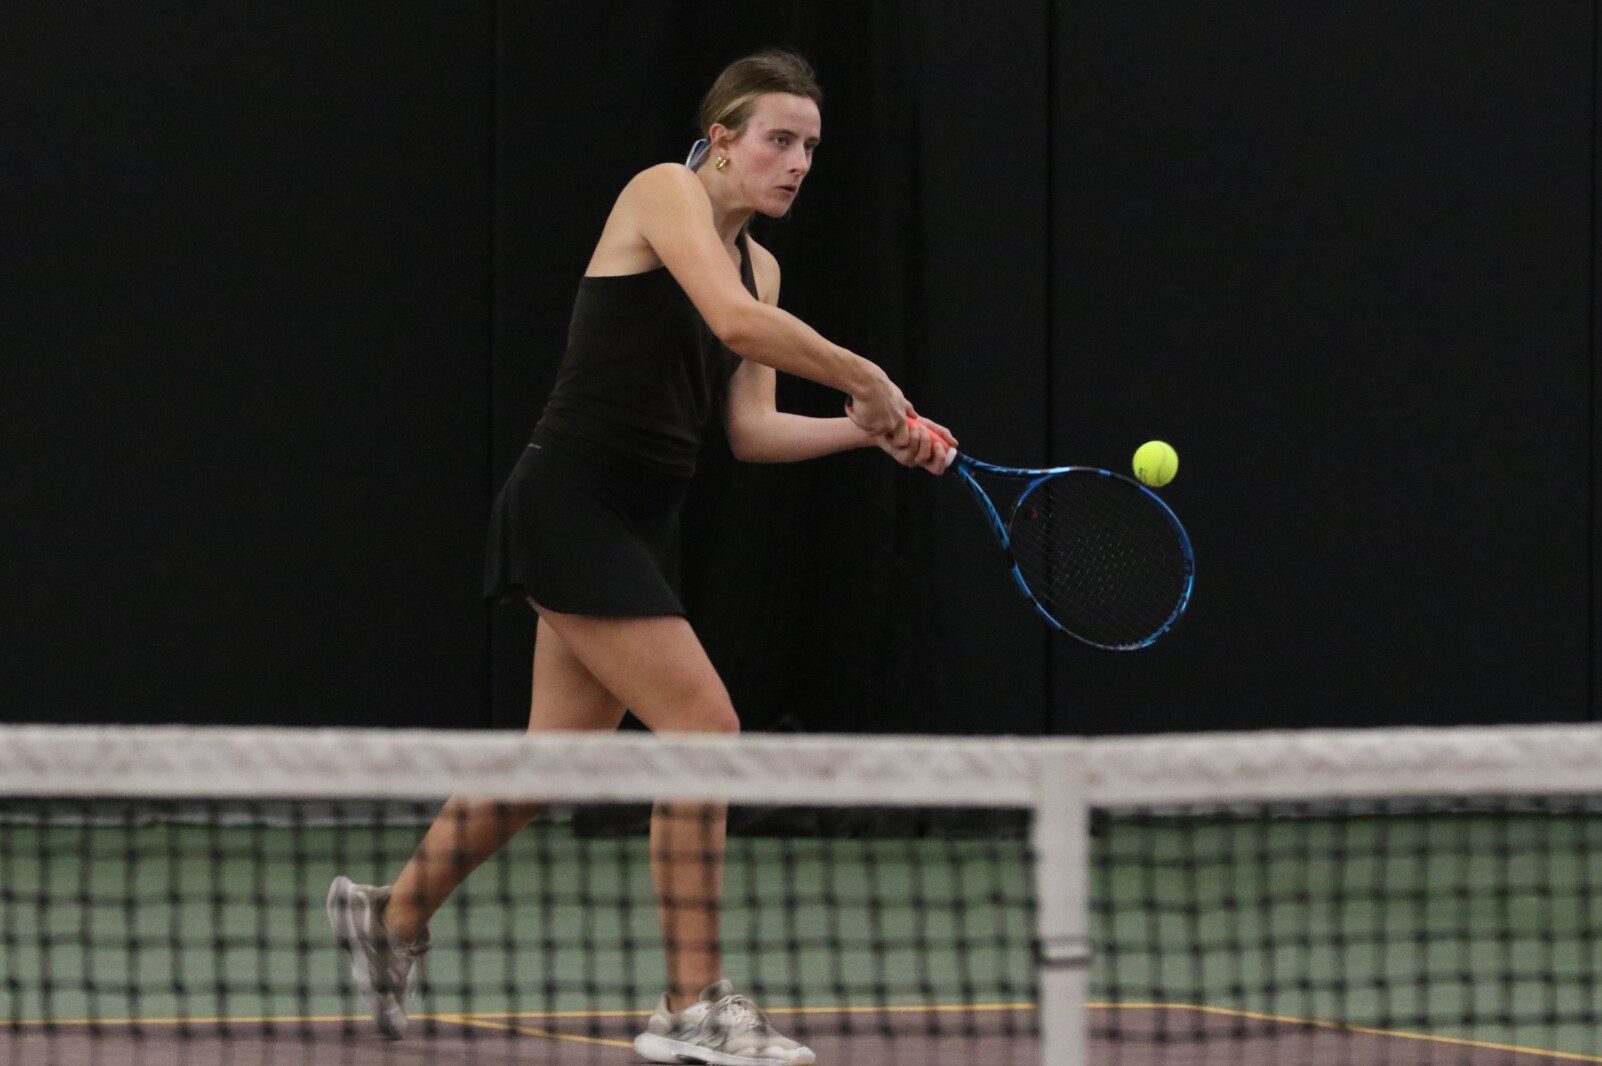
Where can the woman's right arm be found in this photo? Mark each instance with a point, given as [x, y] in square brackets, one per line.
[671, 212]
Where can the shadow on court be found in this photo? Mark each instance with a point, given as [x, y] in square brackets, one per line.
[1125, 1037]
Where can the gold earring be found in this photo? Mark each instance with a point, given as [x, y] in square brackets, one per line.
[722, 162]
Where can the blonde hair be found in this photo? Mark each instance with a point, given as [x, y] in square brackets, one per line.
[733, 96]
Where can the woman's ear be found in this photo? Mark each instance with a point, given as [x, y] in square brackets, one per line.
[722, 138]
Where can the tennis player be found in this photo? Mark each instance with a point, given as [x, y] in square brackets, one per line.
[676, 320]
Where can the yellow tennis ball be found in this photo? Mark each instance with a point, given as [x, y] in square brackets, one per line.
[1155, 463]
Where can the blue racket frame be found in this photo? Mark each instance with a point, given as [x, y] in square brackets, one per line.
[1034, 476]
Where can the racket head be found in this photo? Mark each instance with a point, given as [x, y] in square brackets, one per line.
[1100, 557]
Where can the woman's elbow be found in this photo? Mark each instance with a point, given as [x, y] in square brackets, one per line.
[750, 437]
[743, 445]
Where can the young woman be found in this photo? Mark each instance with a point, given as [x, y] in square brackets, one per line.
[676, 318]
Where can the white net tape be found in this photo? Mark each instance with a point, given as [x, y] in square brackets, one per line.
[785, 769]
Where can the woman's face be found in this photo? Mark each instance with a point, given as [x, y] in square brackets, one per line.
[770, 159]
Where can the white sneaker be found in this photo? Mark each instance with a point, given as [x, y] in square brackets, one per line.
[380, 964]
[720, 1029]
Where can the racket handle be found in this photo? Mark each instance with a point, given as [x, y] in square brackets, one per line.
[939, 442]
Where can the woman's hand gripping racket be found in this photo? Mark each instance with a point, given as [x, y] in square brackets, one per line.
[1098, 554]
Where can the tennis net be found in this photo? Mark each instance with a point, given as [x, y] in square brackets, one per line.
[1381, 897]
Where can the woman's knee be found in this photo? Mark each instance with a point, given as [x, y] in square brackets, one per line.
[698, 709]
[724, 719]
[713, 713]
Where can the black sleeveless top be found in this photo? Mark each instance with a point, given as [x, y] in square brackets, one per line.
[643, 373]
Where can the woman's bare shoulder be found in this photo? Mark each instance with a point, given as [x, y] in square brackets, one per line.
[665, 180]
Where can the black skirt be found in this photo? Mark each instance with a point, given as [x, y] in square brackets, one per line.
[581, 536]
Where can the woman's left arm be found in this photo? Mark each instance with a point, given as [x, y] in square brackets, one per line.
[759, 432]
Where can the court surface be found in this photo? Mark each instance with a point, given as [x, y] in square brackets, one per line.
[1000, 1035]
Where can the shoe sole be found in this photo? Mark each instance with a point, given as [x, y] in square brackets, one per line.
[661, 1049]
[342, 903]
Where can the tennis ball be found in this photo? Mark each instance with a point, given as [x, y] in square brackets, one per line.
[1155, 463]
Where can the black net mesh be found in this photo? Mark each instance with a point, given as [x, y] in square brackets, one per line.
[154, 931]
[1384, 899]
[1455, 931]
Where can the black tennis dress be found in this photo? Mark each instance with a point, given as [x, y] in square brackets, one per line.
[587, 523]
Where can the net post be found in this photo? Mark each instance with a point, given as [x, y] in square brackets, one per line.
[1060, 837]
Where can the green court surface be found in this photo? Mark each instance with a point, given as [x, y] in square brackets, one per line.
[1466, 927]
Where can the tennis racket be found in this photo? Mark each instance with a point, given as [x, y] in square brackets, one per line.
[1098, 554]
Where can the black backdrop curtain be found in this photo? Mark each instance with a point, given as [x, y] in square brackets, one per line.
[283, 286]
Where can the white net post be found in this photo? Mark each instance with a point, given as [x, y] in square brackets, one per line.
[1060, 838]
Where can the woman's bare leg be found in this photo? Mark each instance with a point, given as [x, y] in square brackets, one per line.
[658, 669]
[466, 832]
[687, 870]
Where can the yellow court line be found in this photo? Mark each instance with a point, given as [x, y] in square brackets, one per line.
[547, 1034]
[936, 1008]
[1319, 1023]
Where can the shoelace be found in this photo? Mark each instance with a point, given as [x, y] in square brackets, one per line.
[740, 1015]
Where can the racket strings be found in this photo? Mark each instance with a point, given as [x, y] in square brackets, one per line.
[1101, 557]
